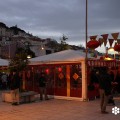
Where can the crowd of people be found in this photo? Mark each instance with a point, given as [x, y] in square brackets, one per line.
[13, 82]
[108, 83]
[6, 80]
[114, 75]
[103, 79]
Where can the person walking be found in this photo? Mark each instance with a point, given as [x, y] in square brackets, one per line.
[113, 86]
[104, 88]
[42, 86]
[15, 85]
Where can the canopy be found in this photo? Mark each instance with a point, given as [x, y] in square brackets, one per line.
[4, 62]
[60, 57]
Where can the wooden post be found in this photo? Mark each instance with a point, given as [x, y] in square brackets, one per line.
[23, 85]
[68, 79]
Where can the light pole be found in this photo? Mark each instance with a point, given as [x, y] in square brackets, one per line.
[86, 27]
[85, 93]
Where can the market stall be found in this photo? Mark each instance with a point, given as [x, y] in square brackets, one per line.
[65, 73]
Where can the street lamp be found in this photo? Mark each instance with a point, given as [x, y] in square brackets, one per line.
[42, 48]
[28, 56]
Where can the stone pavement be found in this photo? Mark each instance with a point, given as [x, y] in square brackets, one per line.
[56, 110]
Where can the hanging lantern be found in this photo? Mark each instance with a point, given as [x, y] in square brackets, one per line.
[117, 47]
[47, 71]
[92, 44]
[59, 69]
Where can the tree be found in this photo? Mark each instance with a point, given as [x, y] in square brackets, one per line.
[53, 44]
[63, 45]
[16, 30]
[20, 61]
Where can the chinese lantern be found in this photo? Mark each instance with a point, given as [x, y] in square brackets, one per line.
[117, 47]
[47, 71]
[92, 44]
[60, 69]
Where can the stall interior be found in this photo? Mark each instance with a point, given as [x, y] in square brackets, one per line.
[93, 83]
[62, 79]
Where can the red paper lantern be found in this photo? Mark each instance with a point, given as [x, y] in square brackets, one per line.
[117, 47]
[60, 69]
[47, 71]
[92, 44]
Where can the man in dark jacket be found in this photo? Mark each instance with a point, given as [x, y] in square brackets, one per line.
[42, 86]
[15, 85]
[105, 88]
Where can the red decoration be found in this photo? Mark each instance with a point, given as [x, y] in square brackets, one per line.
[117, 47]
[93, 44]
[47, 71]
[106, 56]
[101, 58]
[59, 69]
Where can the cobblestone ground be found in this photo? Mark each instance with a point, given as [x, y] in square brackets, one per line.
[57, 110]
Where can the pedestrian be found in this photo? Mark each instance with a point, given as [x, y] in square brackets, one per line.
[117, 80]
[42, 86]
[113, 84]
[4, 81]
[9, 80]
[104, 88]
[15, 85]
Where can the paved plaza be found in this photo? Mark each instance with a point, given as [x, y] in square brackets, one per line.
[57, 110]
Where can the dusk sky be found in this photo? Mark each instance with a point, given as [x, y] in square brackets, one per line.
[53, 18]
